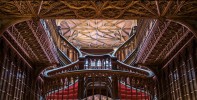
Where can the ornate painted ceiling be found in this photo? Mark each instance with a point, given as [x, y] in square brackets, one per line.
[182, 11]
[105, 9]
[110, 9]
[96, 33]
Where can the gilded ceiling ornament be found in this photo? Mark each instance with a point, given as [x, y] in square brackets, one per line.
[73, 4]
[86, 13]
[111, 9]
[112, 13]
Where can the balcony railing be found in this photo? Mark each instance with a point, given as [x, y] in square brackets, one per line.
[99, 62]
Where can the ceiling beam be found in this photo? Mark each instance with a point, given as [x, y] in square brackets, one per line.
[40, 7]
[158, 10]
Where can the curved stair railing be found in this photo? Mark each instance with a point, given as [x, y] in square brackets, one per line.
[128, 49]
[98, 62]
[69, 49]
[124, 67]
[63, 57]
[64, 47]
[130, 59]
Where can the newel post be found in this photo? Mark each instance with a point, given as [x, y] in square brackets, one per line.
[81, 79]
[114, 79]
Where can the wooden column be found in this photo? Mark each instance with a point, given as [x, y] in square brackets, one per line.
[114, 80]
[81, 79]
[2, 54]
[126, 52]
[73, 54]
[70, 54]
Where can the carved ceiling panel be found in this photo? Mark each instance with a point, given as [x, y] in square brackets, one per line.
[97, 33]
[99, 9]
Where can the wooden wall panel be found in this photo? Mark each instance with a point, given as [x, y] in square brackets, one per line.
[17, 80]
[178, 80]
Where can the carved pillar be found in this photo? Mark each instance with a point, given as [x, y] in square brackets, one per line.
[118, 55]
[158, 83]
[70, 54]
[126, 51]
[2, 53]
[74, 57]
[59, 42]
[81, 79]
[114, 80]
[77, 55]
[122, 55]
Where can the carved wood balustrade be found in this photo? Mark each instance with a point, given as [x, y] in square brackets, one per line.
[126, 49]
[91, 62]
[66, 51]
[66, 47]
[89, 73]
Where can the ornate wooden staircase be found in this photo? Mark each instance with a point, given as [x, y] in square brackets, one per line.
[87, 76]
[96, 74]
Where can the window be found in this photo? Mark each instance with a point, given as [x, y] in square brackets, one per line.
[99, 62]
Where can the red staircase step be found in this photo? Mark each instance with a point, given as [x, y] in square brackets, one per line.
[68, 93]
[125, 93]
